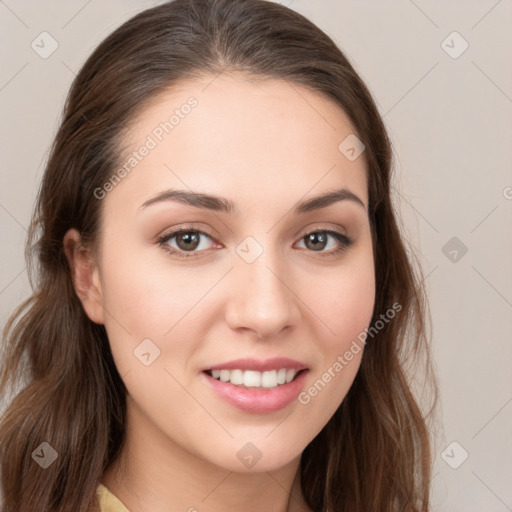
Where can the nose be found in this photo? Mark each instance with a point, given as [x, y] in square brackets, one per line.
[262, 301]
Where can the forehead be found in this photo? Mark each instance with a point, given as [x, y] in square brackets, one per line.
[235, 136]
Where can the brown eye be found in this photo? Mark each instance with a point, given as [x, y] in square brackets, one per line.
[184, 242]
[318, 241]
[188, 240]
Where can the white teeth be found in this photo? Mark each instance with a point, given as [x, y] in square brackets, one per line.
[269, 379]
[237, 377]
[254, 379]
[289, 375]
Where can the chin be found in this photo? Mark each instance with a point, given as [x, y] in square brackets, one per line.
[256, 456]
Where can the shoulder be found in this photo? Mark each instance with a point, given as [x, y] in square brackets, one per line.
[108, 501]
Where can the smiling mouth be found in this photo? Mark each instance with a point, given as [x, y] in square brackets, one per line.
[255, 379]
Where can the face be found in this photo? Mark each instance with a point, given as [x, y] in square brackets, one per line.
[261, 291]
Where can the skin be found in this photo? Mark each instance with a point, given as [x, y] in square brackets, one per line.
[266, 146]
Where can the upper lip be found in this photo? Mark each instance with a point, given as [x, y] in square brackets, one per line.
[259, 365]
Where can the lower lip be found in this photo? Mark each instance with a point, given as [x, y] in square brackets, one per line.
[258, 400]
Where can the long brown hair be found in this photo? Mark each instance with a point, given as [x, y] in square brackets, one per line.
[374, 454]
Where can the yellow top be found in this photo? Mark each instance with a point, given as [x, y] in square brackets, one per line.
[108, 501]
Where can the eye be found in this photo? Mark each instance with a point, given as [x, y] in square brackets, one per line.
[188, 239]
[317, 241]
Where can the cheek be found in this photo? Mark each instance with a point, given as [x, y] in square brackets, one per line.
[353, 311]
[141, 303]
[344, 301]
[149, 297]
[345, 308]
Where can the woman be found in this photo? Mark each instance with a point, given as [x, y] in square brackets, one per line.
[224, 306]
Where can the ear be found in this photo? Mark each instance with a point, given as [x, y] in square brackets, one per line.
[85, 276]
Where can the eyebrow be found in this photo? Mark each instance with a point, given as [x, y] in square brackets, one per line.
[224, 205]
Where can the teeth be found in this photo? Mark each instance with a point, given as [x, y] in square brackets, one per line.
[236, 377]
[254, 379]
[290, 374]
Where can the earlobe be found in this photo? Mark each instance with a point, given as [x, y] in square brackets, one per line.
[85, 276]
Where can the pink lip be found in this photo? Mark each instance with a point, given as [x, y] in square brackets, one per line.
[274, 363]
[257, 400]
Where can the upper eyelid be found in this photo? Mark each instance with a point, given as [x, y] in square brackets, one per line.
[176, 231]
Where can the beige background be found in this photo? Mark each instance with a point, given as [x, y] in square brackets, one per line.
[450, 122]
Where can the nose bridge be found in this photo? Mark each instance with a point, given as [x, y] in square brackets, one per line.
[262, 300]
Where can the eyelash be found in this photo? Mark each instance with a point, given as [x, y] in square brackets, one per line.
[345, 241]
